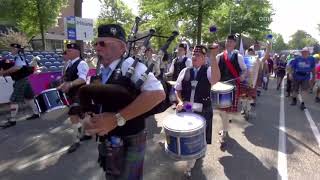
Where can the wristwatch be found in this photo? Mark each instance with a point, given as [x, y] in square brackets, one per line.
[121, 121]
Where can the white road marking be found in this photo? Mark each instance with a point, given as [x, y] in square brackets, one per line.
[282, 155]
[312, 124]
[43, 158]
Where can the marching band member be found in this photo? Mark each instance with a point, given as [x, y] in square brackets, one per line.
[126, 126]
[194, 86]
[232, 67]
[179, 63]
[205, 76]
[22, 90]
[148, 60]
[74, 77]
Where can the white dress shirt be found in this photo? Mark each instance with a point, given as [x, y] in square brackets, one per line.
[19, 62]
[180, 78]
[83, 68]
[241, 62]
[188, 63]
[151, 84]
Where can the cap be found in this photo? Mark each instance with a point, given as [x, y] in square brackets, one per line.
[15, 45]
[200, 48]
[113, 31]
[73, 46]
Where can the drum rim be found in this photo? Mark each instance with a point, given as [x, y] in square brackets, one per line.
[185, 157]
[48, 90]
[56, 108]
[184, 133]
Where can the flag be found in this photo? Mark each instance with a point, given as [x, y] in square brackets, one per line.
[241, 48]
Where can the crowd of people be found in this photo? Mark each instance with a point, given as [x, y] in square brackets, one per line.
[193, 74]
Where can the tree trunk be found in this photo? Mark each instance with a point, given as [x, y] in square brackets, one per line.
[78, 13]
[199, 21]
[41, 25]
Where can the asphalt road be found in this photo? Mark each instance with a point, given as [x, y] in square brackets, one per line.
[36, 149]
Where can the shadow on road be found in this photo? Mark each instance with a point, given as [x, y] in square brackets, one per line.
[244, 165]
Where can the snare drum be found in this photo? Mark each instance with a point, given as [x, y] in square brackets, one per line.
[185, 136]
[222, 95]
[52, 104]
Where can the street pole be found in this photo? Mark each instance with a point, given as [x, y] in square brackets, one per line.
[230, 16]
[78, 13]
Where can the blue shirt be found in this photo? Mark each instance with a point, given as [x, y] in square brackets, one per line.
[302, 67]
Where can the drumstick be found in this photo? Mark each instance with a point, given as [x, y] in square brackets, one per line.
[231, 80]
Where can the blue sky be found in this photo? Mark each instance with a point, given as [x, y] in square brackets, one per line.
[290, 15]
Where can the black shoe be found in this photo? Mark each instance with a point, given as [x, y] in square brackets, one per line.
[223, 146]
[302, 106]
[34, 116]
[73, 147]
[258, 93]
[85, 138]
[317, 100]
[294, 102]
[8, 124]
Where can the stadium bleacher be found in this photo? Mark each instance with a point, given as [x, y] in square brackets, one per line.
[49, 60]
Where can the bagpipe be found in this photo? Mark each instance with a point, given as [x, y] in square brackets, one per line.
[97, 97]
[23, 72]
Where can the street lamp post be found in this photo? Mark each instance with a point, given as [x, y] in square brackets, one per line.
[237, 2]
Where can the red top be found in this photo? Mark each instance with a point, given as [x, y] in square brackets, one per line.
[318, 71]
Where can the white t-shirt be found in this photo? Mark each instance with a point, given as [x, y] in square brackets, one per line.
[151, 84]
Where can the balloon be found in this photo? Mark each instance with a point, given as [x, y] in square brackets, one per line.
[213, 29]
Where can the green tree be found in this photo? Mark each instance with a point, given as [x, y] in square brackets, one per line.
[194, 17]
[248, 17]
[32, 16]
[301, 39]
[278, 43]
[187, 16]
[116, 11]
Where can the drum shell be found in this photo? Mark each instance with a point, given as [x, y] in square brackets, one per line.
[185, 145]
[222, 98]
[52, 104]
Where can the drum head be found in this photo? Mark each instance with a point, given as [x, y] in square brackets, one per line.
[184, 122]
[222, 87]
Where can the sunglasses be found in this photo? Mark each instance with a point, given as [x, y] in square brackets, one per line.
[100, 43]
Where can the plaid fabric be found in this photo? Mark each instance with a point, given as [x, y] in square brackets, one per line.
[134, 157]
[246, 91]
[21, 90]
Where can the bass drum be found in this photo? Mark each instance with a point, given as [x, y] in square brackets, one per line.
[52, 104]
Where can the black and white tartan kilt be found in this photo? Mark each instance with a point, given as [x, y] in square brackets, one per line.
[21, 90]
